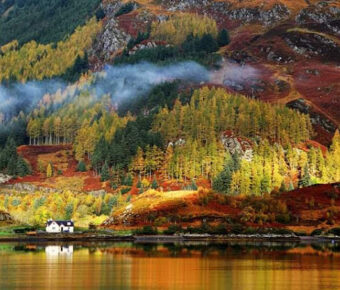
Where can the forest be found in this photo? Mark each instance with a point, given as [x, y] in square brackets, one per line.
[44, 21]
[183, 141]
[35, 61]
[188, 37]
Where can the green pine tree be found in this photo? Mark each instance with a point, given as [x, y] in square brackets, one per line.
[223, 38]
[306, 178]
[154, 184]
[105, 174]
[81, 167]
[22, 168]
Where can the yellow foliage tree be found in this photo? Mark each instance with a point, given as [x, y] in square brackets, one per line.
[49, 170]
[177, 28]
[38, 61]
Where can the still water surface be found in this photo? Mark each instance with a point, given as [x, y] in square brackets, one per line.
[193, 266]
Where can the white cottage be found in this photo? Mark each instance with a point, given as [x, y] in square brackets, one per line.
[59, 226]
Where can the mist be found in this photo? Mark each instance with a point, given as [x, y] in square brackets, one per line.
[235, 75]
[120, 82]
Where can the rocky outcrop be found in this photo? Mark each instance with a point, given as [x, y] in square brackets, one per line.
[321, 13]
[235, 144]
[4, 178]
[312, 44]
[112, 38]
[5, 216]
[316, 119]
[140, 46]
[277, 13]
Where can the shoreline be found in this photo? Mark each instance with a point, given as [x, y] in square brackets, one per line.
[164, 238]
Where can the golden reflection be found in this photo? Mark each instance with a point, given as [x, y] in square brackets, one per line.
[126, 266]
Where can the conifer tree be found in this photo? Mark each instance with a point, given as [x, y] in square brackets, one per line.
[223, 38]
[283, 186]
[81, 167]
[305, 180]
[22, 167]
[105, 174]
[154, 184]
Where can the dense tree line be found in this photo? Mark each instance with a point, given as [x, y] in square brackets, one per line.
[81, 122]
[177, 28]
[179, 137]
[119, 153]
[200, 49]
[38, 61]
[44, 21]
[10, 162]
[35, 208]
[191, 37]
[212, 111]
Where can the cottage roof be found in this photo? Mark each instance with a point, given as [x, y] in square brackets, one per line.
[61, 223]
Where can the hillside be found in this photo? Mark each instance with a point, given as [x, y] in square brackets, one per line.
[302, 209]
[43, 21]
[145, 112]
[291, 50]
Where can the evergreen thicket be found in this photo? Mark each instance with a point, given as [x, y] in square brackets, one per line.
[10, 162]
[44, 21]
[35, 61]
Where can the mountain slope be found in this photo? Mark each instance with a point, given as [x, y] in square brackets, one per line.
[44, 21]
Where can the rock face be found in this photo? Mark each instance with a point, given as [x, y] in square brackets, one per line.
[5, 217]
[316, 119]
[312, 44]
[321, 13]
[140, 46]
[234, 144]
[112, 38]
[277, 13]
[4, 178]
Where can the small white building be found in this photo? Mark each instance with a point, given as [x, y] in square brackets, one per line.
[59, 226]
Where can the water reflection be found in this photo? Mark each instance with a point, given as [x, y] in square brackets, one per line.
[170, 266]
[54, 252]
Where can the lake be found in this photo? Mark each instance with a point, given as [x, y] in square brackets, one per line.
[170, 266]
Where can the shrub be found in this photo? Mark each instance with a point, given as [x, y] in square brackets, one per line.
[160, 221]
[81, 167]
[105, 174]
[283, 218]
[223, 38]
[113, 185]
[173, 229]
[154, 184]
[146, 230]
[128, 181]
[317, 232]
[281, 232]
[125, 190]
[236, 229]
[334, 231]
[250, 231]
[301, 234]
[125, 9]
[220, 229]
